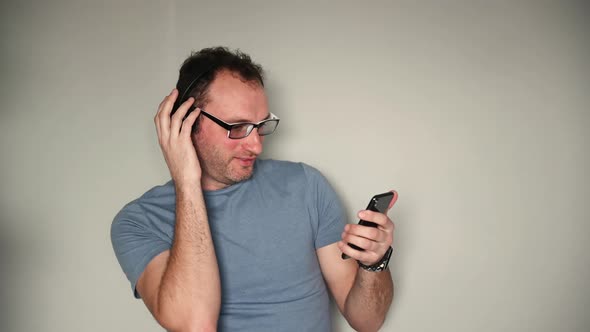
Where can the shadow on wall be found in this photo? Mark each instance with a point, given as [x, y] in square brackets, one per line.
[15, 282]
[403, 218]
[7, 266]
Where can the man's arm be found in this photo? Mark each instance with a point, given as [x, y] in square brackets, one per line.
[181, 287]
[369, 299]
[363, 297]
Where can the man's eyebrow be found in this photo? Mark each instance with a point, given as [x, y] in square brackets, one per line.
[240, 120]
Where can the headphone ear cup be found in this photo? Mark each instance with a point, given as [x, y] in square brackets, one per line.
[185, 95]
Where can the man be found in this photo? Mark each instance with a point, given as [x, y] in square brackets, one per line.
[234, 243]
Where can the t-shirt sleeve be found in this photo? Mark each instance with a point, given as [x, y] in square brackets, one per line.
[135, 245]
[331, 216]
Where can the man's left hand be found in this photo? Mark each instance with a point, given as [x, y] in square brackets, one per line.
[374, 240]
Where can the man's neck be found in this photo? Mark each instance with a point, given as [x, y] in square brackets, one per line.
[210, 184]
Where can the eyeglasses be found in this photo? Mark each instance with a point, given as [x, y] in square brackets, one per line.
[243, 129]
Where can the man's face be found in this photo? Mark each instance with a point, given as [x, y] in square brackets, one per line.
[226, 161]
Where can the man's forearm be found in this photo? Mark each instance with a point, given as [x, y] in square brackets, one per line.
[190, 291]
[368, 300]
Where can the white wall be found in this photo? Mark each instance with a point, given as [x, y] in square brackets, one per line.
[477, 112]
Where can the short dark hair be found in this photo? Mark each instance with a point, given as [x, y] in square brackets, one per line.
[199, 69]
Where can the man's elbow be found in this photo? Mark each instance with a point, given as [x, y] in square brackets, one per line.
[189, 326]
[189, 322]
[372, 326]
[366, 323]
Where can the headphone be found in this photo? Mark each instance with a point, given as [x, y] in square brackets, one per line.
[186, 93]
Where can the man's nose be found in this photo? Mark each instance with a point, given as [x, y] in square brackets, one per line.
[253, 142]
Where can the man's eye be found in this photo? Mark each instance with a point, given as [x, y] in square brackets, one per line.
[240, 129]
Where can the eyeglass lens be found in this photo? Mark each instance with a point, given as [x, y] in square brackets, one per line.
[241, 131]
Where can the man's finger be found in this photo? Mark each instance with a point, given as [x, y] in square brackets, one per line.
[363, 256]
[187, 124]
[374, 217]
[393, 200]
[371, 233]
[359, 241]
[164, 115]
[163, 102]
[178, 116]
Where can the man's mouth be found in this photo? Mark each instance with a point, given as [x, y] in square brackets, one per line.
[248, 161]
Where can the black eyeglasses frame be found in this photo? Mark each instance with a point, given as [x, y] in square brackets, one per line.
[251, 125]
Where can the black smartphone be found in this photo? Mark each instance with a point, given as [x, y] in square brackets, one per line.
[379, 203]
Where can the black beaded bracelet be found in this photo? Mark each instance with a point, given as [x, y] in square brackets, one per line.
[380, 265]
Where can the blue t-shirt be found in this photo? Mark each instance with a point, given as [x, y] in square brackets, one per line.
[265, 230]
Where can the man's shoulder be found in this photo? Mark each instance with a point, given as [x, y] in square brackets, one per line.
[296, 176]
[158, 199]
[285, 168]
[158, 193]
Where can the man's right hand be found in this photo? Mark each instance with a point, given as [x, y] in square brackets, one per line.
[174, 136]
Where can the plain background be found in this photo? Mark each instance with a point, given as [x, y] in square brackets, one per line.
[477, 112]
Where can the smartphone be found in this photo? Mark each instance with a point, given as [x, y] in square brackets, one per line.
[379, 203]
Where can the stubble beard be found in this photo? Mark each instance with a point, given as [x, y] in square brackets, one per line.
[221, 168]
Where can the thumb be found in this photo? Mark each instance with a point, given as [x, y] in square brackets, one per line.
[393, 200]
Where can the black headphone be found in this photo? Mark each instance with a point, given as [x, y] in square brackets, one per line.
[186, 93]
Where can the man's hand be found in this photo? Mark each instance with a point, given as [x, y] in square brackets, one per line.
[174, 136]
[375, 240]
